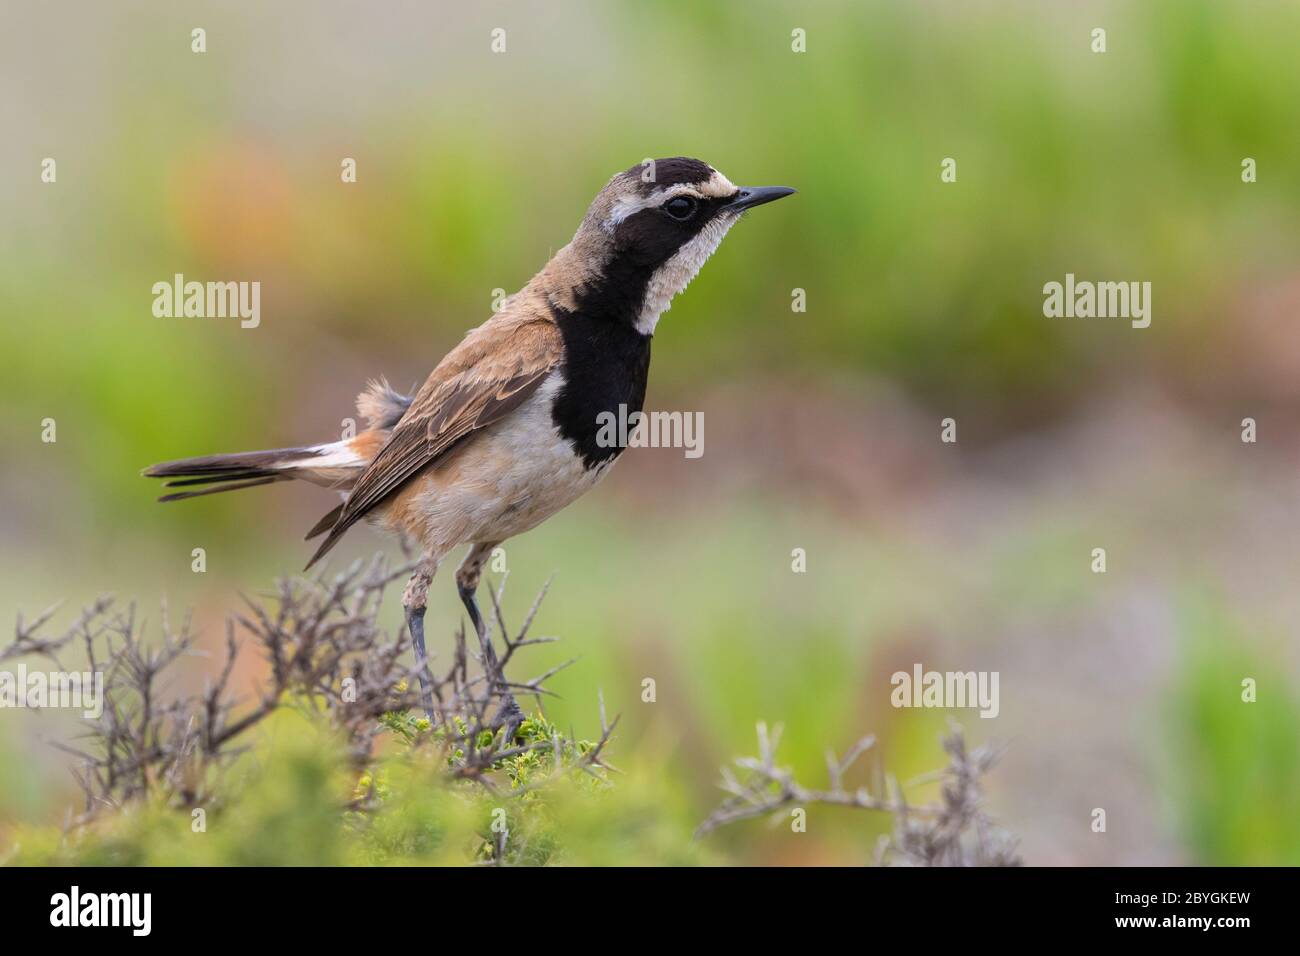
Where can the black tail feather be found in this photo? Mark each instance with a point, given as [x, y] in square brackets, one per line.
[231, 476]
[236, 472]
[227, 464]
[232, 486]
[226, 472]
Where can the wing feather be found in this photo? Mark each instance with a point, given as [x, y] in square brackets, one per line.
[490, 374]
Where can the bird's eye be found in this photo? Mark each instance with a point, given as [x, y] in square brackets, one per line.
[680, 207]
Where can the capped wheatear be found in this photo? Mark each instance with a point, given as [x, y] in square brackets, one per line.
[504, 432]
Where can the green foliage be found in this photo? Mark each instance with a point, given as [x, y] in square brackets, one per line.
[292, 800]
[1238, 762]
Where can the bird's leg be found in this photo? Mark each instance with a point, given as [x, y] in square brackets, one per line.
[467, 578]
[414, 600]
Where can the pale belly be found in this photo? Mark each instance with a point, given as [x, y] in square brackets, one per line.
[502, 481]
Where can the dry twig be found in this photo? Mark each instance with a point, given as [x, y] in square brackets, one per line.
[324, 652]
[953, 832]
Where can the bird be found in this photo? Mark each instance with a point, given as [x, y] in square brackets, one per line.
[505, 431]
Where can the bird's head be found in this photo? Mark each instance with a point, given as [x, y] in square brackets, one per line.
[652, 227]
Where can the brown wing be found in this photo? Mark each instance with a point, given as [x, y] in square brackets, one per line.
[491, 373]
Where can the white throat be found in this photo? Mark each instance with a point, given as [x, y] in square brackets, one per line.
[676, 274]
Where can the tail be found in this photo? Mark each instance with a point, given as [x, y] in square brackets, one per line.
[234, 472]
[335, 465]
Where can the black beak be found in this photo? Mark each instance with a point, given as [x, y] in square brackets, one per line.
[751, 196]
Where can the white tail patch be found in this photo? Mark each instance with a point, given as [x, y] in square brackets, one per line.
[334, 465]
[338, 454]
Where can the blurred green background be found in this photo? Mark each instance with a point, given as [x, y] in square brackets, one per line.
[924, 301]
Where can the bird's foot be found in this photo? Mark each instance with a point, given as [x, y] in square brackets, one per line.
[511, 715]
[415, 624]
